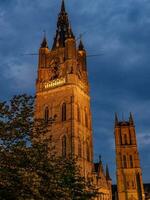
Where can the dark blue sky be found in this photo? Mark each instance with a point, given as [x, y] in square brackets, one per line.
[119, 78]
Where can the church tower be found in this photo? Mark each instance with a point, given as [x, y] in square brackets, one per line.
[62, 93]
[129, 173]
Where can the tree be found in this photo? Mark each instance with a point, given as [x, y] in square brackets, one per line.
[27, 170]
[16, 124]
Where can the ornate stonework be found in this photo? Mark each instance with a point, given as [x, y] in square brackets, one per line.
[62, 90]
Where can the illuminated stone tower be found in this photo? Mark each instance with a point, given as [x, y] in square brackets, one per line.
[62, 92]
[129, 174]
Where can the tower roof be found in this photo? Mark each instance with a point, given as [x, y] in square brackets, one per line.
[63, 30]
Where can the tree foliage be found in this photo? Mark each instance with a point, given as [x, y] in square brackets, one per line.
[27, 172]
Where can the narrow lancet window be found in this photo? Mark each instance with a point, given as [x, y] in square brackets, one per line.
[64, 146]
[120, 136]
[87, 152]
[46, 114]
[131, 161]
[64, 112]
[79, 149]
[124, 162]
[130, 137]
[86, 119]
[78, 114]
[125, 139]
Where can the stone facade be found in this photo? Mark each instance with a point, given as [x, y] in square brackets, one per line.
[129, 174]
[62, 93]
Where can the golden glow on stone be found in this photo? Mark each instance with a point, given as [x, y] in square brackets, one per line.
[54, 83]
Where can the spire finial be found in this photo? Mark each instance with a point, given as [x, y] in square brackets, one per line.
[107, 174]
[63, 6]
[131, 121]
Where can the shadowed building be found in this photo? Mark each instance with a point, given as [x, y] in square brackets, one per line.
[129, 174]
[62, 90]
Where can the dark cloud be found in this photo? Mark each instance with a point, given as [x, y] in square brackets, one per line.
[119, 78]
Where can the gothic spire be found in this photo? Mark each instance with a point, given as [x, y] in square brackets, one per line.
[64, 30]
[63, 6]
[131, 121]
[107, 173]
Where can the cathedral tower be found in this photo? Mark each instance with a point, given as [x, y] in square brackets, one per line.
[62, 92]
[129, 174]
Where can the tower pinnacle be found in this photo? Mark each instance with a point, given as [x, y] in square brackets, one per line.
[131, 121]
[81, 46]
[63, 6]
[116, 119]
[107, 173]
[44, 43]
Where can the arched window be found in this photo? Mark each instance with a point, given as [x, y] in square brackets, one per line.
[78, 114]
[131, 161]
[120, 137]
[46, 114]
[86, 119]
[130, 136]
[128, 184]
[79, 149]
[124, 161]
[133, 185]
[125, 139]
[64, 112]
[64, 146]
[87, 152]
[120, 158]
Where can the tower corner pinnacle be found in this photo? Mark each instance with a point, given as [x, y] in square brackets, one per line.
[44, 43]
[116, 119]
[81, 46]
[131, 120]
[107, 173]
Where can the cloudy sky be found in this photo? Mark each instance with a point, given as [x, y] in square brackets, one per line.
[119, 30]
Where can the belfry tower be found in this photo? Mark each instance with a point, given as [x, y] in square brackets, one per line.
[129, 174]
[62, 92]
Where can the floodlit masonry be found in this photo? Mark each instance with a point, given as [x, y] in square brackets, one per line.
[62, 90]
